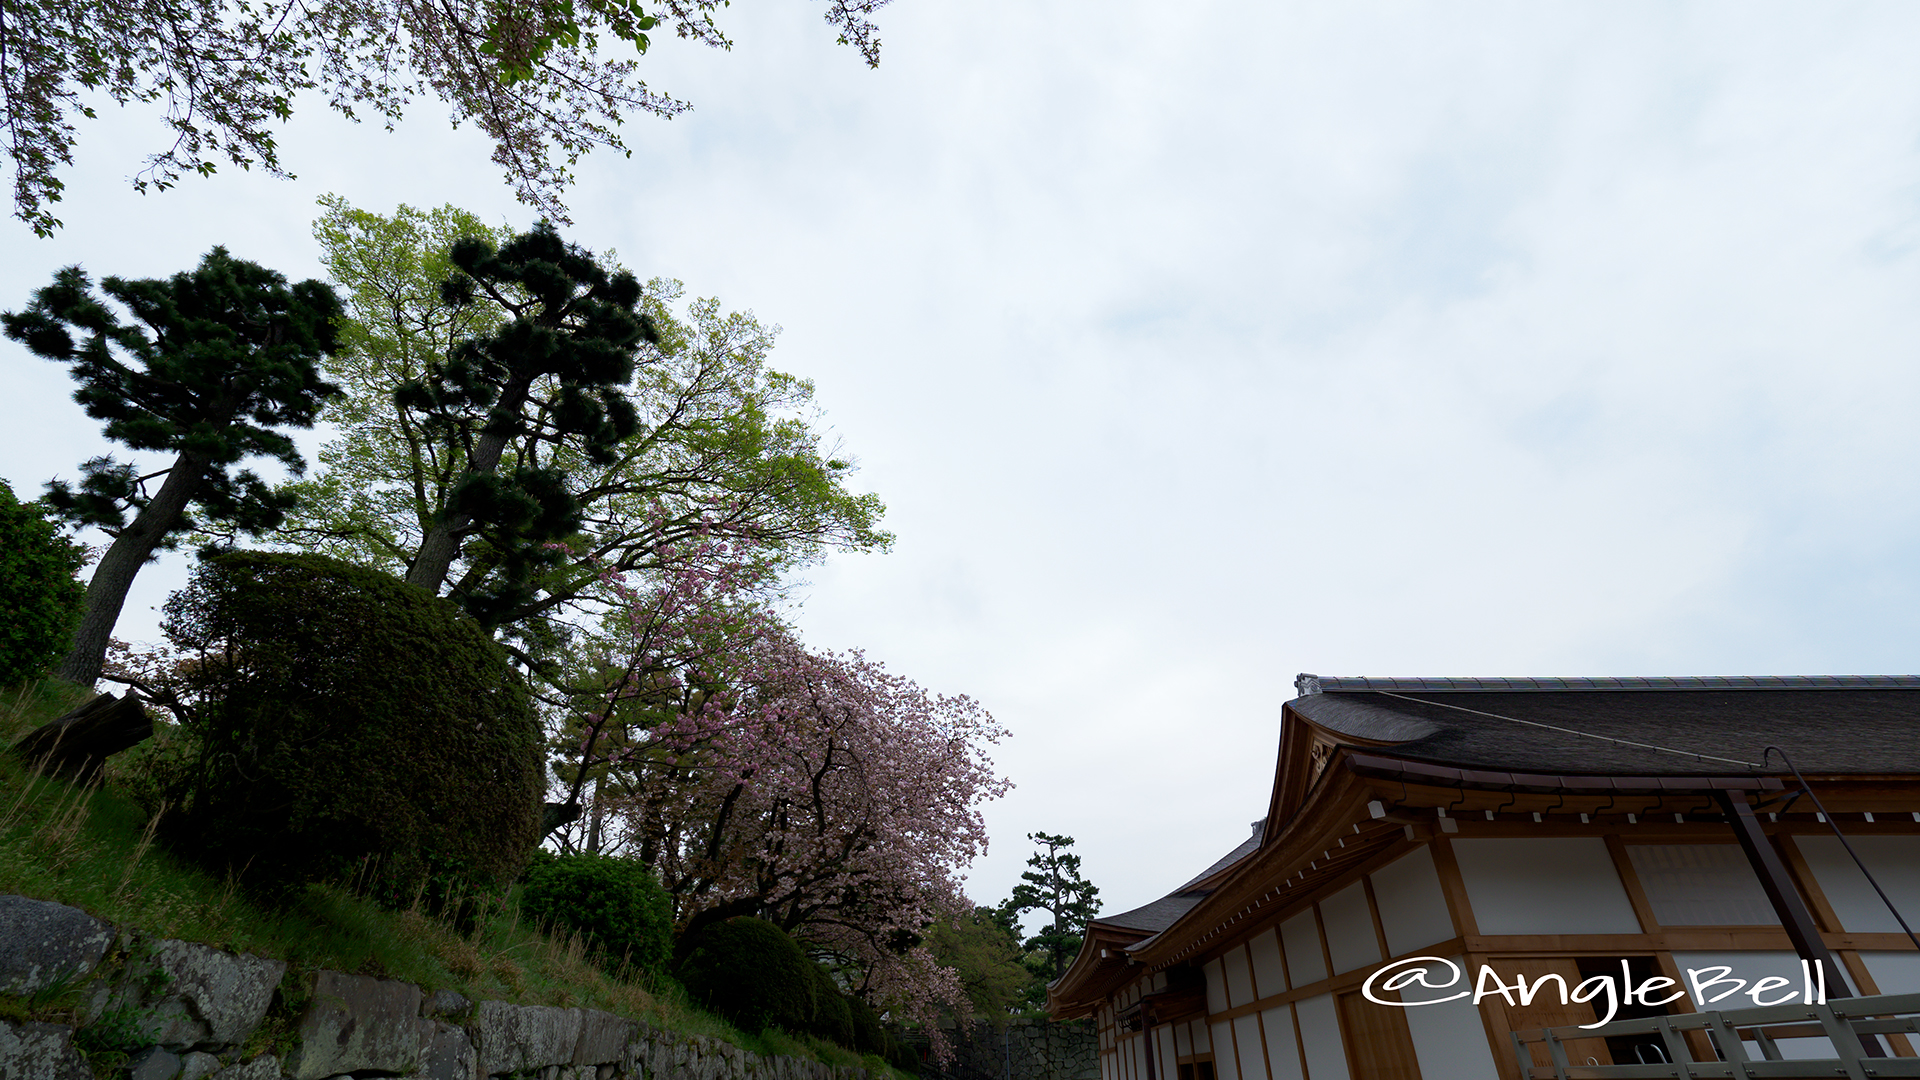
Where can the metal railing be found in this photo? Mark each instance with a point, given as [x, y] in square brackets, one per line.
[1849, 1024]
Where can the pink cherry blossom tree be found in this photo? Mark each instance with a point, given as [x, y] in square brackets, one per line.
[755, 776]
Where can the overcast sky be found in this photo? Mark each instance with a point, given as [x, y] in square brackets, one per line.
[1195, 346]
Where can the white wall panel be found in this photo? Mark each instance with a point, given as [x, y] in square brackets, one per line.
[1163, 1042]
[1754, 966]
[1182, 1041]
[1448, 1038]
[1202, 1040]
[1320, 1035]
[1549, 885]
[1701, 885]
[1283, 1052]
[1139, 1054]
[1239, 978]
[1268, 976]
[1894, 972]
[1216, 987]
[1253, 1058]
[1106, 1067]
[1224, 1065]
[1413, 910]
[1895, 862]
[1301, 935]
[1351, 941]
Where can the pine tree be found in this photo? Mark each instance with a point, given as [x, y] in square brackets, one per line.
[212, 366]
[522, 404]
[1054, 885]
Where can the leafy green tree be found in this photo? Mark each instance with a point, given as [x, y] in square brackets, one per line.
[986, 954]
[532, 76]
[212, 366]
[722, 443]
[1054, 885]
[38, 589]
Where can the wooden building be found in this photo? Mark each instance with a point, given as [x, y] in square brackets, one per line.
[1635, 828]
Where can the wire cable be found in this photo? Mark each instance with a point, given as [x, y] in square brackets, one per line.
[1582, 734]
[1835, 826]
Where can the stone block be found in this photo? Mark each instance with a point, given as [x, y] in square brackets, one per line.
[264, 1067]
[30, 1051]
[447, 1054]
[154, 1063]
[603, 1038]
[195, 1065]
[196, 996]
[41, 942]
[520, 1038]
[356, 1023]
[445, 1005]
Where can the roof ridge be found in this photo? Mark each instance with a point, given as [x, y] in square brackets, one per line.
[1307, 684]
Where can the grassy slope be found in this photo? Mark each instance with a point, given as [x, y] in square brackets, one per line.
[93, 849]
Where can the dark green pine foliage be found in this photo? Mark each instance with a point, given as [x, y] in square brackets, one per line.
[519, 404]
[212, 365]
[1054, 885]
[38, 590]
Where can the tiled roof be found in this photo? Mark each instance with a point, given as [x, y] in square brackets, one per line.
[1642, 727]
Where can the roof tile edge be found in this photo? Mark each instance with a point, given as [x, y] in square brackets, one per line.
[1307, 684]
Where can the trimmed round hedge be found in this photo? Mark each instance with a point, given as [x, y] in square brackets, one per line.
[750, 972]
[349, 725]
[832, 1018]
[869, 1037]
[614, 903]
[38, 591]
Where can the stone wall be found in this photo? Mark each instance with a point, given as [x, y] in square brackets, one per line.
[1020, 1050]
[202, 1011]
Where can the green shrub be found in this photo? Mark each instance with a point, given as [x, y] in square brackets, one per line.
[750, 972]
[614, 903]
[38, 590]
[832, 1019]
[902, 1057]
[346, 725]
[868, 1036]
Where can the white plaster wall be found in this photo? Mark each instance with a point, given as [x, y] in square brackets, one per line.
[1895, 862]
[1182, 1041]
[1216, 987]
[1269, 977]
[1106, 1067]
[1549, 885]
[1754, 966]
[1351, 941]
[1283, 1052]
[1701, 885]
[1301, 935]
[1224, 1065]
[1413, 910]
[1320, 1032]
[1894, 972]
[1448, 1038]
[1202, 1041]
[1163, 1041]
[1239, 978]
[1253, 1058]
